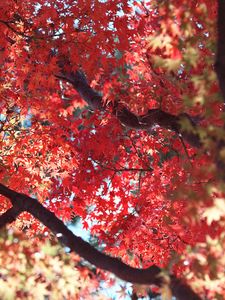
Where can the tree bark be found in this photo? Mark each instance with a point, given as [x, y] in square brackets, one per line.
[151, 275]
[154, 117]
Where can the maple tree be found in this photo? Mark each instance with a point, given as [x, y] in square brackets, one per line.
[113, 111]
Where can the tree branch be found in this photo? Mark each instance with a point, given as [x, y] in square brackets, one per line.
[79, 82]
[9, 216]
[153, 118]
[220, 57]
[122, 169]
[150, 275]
[220, 71]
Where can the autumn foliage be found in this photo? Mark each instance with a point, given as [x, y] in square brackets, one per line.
[113, 111]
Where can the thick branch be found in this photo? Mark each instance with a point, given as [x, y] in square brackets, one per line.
[79, 82]
[220, 70]
[88, 252]
[153, 118]
[220, 58]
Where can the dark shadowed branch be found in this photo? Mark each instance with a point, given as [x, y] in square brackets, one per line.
[150, 275]
[153, 118]
[220, 71]
[9, 216]
[220, 57]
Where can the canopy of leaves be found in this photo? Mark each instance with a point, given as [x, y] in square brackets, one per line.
[112, 111]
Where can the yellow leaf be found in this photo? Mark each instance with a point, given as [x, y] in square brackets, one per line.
[215, 212]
